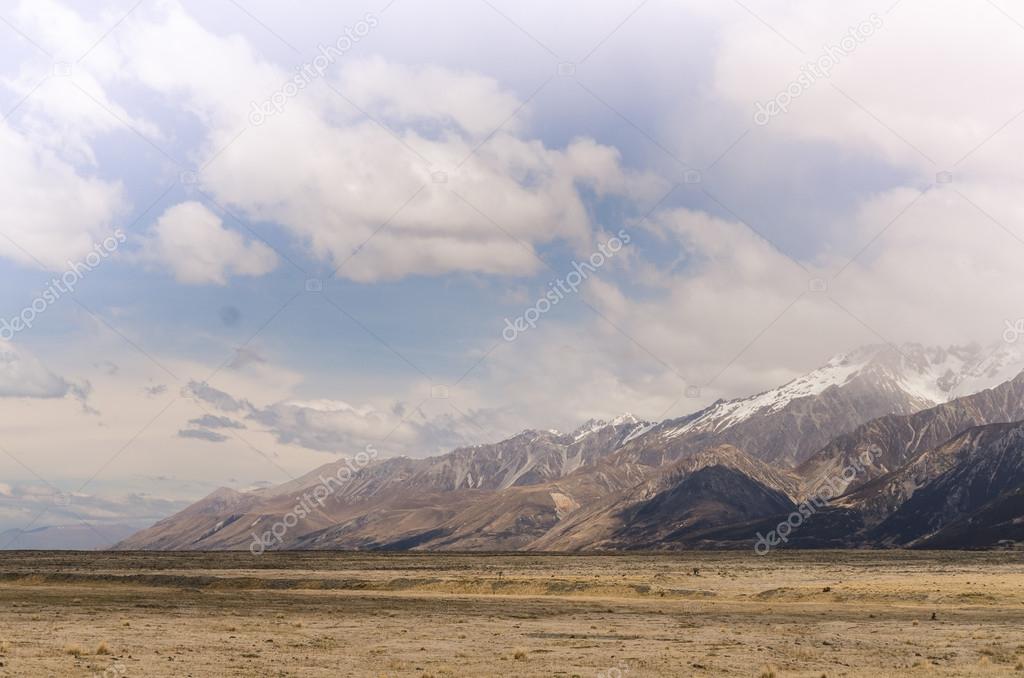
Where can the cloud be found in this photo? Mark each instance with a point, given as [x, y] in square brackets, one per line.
[193, 243]
[363, 179]
[108, 367]
[741, 317]
[61, 216]
[330, 426]
[338, 427]
[699, 299]
[20, 501]
[335, 201]
[945, 270]
[213, 421]
[22, 375]
[202, 434]
[217, 398]
[81, 393]
[155, 390]
[246, 355]
[48, 142]
[908, 125]
[429, 96]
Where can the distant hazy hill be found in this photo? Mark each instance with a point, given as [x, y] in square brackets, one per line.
[65, 537]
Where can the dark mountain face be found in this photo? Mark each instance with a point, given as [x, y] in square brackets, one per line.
[710, 497]
[879, 498]
[966, 493]
[1000, 522]
[984, 480]
[826, 528]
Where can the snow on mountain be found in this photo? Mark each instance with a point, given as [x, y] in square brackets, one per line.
[726, 413]
[928, 375]
[940, 374]
[595, 425]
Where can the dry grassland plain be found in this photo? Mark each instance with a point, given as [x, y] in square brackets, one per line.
[789, 614]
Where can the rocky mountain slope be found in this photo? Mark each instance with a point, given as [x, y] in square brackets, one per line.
[1000, 522]
[888, 443]
[394, 498]
[879, 498]
[606, 520]
[988, 472]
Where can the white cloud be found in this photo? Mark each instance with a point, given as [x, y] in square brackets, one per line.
[19, 503]
[333, 178]
[905, 92]
[742, 317]
[193, 243]
[49, 211]
[22, 375]
[394, 426]
[364, 187]
[55, 204]
[943, 271]
[333, 426]
[429, 95]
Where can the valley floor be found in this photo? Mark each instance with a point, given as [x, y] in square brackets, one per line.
[862, 613]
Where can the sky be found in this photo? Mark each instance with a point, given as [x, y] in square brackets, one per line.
[242, 239]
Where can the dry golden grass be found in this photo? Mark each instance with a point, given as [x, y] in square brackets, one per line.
[837, 615]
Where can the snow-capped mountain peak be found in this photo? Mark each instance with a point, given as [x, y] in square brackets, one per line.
[927, 376]
[786, 423]
[594, 425]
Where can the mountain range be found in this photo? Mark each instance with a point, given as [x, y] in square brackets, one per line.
[885, 446]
